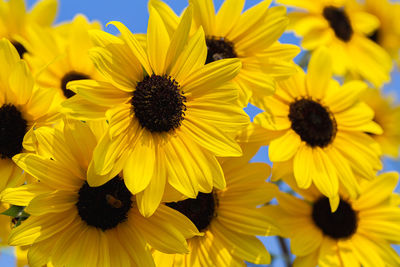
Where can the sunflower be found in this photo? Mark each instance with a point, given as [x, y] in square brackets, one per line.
[15, 20]
[387, 115]
[251, 36]
[319, 129]
[359, 233]
[169, 114]
[338, 25]
[387, 35]
[22, 106]
[74, 224]
[63, 56]
[230, 218]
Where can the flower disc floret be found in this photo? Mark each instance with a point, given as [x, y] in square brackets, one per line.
[219, 48]
[200, 210]
[158, 103]
[105, 206]
[12, 131]
[339, 224]
[339, 22]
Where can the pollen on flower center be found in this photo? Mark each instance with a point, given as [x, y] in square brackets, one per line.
[69, 77]
[312, 122]
[340, 224]
[339, 22]
[219, 48]
[158, 103]
[12, 131]
[105, 206]
[200, 210]
[20, 48]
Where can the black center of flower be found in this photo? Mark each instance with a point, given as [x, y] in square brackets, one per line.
[12, 131]
[339, 22]
[105, 206]
[69, 77]
[375, 36]
[313, 122]
[20, 48]
[200, 210]
[158, 103]
[340, 224]
[219, 48]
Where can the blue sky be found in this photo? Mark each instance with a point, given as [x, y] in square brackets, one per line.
[133, 13]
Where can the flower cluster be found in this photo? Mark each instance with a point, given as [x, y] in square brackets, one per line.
[135, 149]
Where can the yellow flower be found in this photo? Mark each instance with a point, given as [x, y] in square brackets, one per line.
[338, 25]
[74, 224]
[15, 20]
[359, 233]
[387, 35]
[251, 36]
[319, 130]
[230, 219]
[22, 106]
[387, 115]
[169, 114]
[64, 56]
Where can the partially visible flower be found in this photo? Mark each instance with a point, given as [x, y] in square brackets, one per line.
[319, 130]
[74, 224]
[61, 54]
[23, 106]
[359, 233]
[15, 20]
[340, 26]
[231, 218]
[251, 36]
[387, 115]
[387, 35]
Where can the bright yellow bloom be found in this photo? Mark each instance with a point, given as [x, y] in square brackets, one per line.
[61, 55]
[319, 130]
[74, 224]
[340, 26]
[15, 20]
[230, 219]
[387, 35]
[359, 233]
[251, 36]
[387, 115]
[22, 106]
[169, 114]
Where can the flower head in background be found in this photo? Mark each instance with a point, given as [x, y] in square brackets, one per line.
[319, 130]
[169, 114]
[74, 224]
[15, 20]
[251, 36]
[358, 233]
[343, 28]
[387, 115]
[387, 35]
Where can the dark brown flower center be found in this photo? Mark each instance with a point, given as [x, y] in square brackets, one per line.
[69, 77]
[12, 131]
[312, 122]
[20, 48]
[219, 48]
[200, 210]
[375, 36]
[158, 103]
[339, 22]
[105, 206]
[340, 224]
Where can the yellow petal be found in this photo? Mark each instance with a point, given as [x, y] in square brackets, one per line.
[44, 12]
[319, 73]
[55, 202]
[204, 15]
[157, 42]
[284, 147]
[228, 15]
